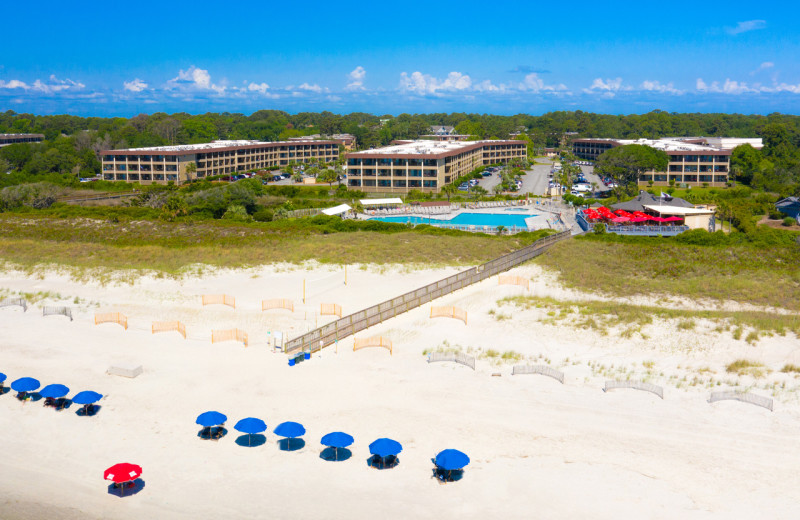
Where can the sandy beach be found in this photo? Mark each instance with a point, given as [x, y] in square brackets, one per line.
[539, 448]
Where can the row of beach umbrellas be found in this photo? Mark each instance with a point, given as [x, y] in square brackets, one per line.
[25, 385]
[447, 460]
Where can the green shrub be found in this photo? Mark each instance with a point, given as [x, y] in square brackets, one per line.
[263, 215]
[789, 221]
[237, 213]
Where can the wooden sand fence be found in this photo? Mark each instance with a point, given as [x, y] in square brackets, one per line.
[278, 303]
[15, 302]
[636, 385]
[169, 326]
[229, 335]
[219, 299]
[63, 311]
[507, 279]
[745, 397]
[456, 357]
[449, 312]
[330, 309]
[111, 317]
[543, 370]
[374, 341]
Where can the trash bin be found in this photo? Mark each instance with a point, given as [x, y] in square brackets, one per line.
[291, 362]
[306, 355]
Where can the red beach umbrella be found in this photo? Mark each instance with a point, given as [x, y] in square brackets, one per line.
[122, 472]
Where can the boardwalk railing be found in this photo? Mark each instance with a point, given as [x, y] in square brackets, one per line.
[64, 311]
[20, 302]
[456, 357]
[636, 385]
[353, 323]
[744, 397]
[538, 369]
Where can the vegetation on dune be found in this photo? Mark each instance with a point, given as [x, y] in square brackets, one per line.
[603, 315]
[123, 242]
[762, 272]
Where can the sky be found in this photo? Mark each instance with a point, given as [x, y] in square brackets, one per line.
[93, 58]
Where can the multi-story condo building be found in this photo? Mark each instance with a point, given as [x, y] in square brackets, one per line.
[161, 164]
[7, 139]
[693, 161]
[424, 165]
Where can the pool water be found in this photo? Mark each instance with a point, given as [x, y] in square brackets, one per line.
[465, 219]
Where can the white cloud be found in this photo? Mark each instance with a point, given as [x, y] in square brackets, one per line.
[764, 66]
[534, 83]
[311, 88]
[749, 25]
[608, 88]
[136, 85]
[14, 83]
[51, 86]
[258, 87]
[356, 79]
[426, 84]
[194, 78]
[729, 87]
[656, 86]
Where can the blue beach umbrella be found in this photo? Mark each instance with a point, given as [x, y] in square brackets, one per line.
[250, 426]
[208, 419]
[290, 430]
[385, 447]
[54, 391]
[25, 384]
[449, 460]
[337, 440]
[87, 397]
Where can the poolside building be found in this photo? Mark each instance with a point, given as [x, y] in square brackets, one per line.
[161, 164]
[425, 165]
[7, 139]
[693, 161]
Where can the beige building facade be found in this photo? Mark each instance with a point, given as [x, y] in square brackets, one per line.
[163, 164]
[425, 165]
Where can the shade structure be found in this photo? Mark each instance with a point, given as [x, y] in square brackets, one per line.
[451, 460]
[86, 397]
[251, 425]
[207, 419]
[25, 384]
[290, 430]
[337, 440]
[2, 377]
[122, 472]
[620, 220]
[384, 447]
[54, 391]
[672, 219]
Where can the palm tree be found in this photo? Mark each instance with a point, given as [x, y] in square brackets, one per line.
[449, 190]
[191, 169]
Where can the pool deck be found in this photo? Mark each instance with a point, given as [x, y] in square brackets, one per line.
[540, 218]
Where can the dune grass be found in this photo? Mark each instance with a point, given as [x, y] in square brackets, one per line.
[602, 315]
[760, 276]
[169, 248]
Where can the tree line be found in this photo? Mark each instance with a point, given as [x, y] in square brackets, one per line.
[73, 144]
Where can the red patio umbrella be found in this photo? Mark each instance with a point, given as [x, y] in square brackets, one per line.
[122, 472]
[620, 219]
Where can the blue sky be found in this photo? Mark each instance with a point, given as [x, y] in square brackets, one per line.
[125, 58]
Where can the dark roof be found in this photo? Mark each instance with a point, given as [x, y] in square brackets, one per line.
[788, 202]
[645, 199]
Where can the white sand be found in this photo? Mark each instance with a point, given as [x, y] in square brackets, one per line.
[539, 449]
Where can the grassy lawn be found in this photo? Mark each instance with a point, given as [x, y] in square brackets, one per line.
[87, 243]
[747, 274]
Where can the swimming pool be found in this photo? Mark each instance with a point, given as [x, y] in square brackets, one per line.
[465, 219]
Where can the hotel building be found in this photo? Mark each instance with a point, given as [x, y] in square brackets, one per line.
[424, 165]
[161, 164]
[7, 139]
[693, 161]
